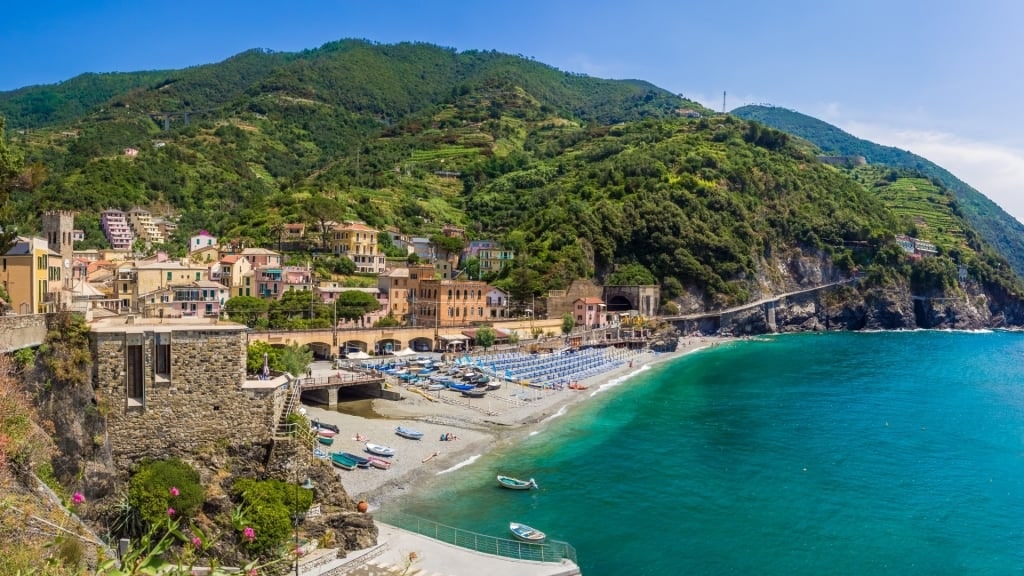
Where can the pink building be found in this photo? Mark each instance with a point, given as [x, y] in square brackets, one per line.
[590, 313]
[273, 281]
[329, 295]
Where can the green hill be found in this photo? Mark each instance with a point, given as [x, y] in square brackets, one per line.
[1002, 231]
[582, 177]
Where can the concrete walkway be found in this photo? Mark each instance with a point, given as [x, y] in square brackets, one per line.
[435, 558]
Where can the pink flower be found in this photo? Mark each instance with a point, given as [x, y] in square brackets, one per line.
[251, 572]
[174, 491]
[77, 498]
[249, 533]
[196, 541]
[170, 511]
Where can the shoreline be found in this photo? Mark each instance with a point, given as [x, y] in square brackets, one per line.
[478, 424]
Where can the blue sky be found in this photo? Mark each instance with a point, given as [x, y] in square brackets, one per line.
[939, 78]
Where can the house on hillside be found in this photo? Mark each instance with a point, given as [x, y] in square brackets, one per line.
[590, 313]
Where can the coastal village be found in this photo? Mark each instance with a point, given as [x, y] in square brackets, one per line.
[170, 365]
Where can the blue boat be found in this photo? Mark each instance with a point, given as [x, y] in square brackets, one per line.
[462, 387]
[359, 460]
[341, 461]
[409, 433]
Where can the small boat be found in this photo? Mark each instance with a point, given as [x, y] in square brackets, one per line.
[341, 461]
[462, 387]
[359, 460]
[325, 440]
[475, 392]
[323, 432]
[493, 385]
[525, 533]
[515, 483]
[577, 386]
[325, 426]
[379, 450]
[379, 462]
[409, 433]
[435, 386]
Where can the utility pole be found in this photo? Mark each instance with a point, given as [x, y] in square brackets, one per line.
[723, 101]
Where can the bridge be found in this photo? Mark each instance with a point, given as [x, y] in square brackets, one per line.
[325, 342]
[324, 389]
[769, 304]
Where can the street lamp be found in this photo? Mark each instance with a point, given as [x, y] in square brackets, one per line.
[307, 485]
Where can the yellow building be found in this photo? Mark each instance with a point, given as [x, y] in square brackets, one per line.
[446, 304]
[236, 273]
[31, 274]
[358, 242]
[396, 284]
[135, 280]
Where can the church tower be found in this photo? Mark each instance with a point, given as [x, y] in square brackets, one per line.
[57, 228]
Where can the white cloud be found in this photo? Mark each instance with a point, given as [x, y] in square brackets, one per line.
[995, 170]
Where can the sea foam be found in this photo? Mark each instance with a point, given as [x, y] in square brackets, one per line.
[462, 464]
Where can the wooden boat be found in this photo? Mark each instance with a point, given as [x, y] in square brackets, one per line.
[475, 392]
[325, 440]
[379, 450]
[341, 461]
[359, 460]
[515, 483]
[326, 426]
[525, 533]
[409, 433]
[379, 462]
[323, 432]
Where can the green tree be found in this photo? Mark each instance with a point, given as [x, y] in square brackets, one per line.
[354, 304]
[11, 164]
[321, 210]
[485, 336]
[299, 309]
[254, 357]
[631, 275]
[165, 488]
[247, 309]
[296, 358]
[568, 323]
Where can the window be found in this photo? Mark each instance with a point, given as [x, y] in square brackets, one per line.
[169, 276]
[198, 275]
[162, 353]
[134, 367]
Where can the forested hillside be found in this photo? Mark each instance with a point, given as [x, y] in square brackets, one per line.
[582, 177]
[1004, 232]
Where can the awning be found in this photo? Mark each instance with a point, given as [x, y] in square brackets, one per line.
[452, 337]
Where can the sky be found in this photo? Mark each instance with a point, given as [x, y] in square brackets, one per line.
[940, 78]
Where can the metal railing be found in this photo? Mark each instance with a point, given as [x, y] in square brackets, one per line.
[549, 551]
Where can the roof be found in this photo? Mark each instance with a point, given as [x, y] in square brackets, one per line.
[590, 300]
[230, 259]
[356, 226]
[258, 251]
[120, 324]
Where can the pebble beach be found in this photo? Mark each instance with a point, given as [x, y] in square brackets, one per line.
[478, 424]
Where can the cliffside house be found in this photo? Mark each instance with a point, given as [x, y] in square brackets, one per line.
[202, 240]
[358, 242]
[31, 273]
[173, 387]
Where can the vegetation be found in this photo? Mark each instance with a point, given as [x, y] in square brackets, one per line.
[269, 506]
[485, 336]
[163, 488]
[993, 225]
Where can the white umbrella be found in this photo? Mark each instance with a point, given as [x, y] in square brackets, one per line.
[406, 352]
[360, 355]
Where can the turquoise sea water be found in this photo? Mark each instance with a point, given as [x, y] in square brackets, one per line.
[851, 453]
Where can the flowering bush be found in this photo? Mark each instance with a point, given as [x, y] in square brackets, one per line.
[165, 488]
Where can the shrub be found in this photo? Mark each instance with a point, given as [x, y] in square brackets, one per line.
[269, 506]
[150, 490]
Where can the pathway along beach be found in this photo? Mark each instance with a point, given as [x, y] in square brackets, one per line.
[478, 424]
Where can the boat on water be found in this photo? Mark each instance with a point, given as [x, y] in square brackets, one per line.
[515, 483]
[380, 450]
[359, 460]
[379, 463]
[525, 533]
[325, 440]
[409, 433]
[343, 462]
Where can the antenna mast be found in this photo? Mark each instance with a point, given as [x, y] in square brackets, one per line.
[723, 101]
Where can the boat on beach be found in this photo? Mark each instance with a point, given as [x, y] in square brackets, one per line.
[325, 426]
[409, 433]
[325, 440]
[379, 463]
[525, 533]
[380, 450]
[341, 461]
[475, 392]
[323, 432]
[359, 460]
[515, 483]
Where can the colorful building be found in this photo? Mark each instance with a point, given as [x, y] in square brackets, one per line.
[358, 242]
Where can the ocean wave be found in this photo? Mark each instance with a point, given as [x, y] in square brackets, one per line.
[617, 381]
[462, 464]
[561, 412]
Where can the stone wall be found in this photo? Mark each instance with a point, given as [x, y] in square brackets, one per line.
[22, 331]
[560, 301]
[201, 405]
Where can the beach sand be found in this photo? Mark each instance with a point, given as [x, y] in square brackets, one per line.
[478, 423]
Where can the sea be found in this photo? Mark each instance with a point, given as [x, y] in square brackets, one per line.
[808, 454]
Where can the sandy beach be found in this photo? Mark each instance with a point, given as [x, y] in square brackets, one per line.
[478, 424]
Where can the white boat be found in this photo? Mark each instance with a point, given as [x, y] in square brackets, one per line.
[515, 483]
[408, 433]
[379, 450]
[525, 533]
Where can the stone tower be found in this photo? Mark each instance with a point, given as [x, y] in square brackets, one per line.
[57, 227]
